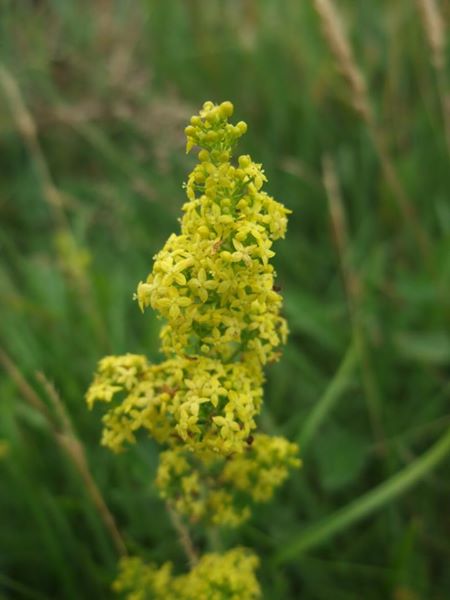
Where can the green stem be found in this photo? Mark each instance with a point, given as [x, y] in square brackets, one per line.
[368, 503]
[329, 398]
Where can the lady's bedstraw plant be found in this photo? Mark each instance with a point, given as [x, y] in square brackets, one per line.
[213, 285]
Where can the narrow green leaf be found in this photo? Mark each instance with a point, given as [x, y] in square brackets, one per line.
[341, 456]
[429, 347]
[331, 395]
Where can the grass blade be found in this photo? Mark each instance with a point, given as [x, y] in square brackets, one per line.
[331, 395]
[378, 497]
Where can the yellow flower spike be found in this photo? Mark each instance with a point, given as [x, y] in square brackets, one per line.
[214, 286]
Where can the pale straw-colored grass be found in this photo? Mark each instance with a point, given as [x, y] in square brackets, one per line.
[354, 291]
[336, 38]
[72, 257]
[434, 27]
[340, 47]
[61, 429]
[436, 34]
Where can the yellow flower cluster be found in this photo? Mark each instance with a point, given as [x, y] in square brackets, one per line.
[213, 285]
[206, 405]
[213, 282]
[219, 490]
[229, 576]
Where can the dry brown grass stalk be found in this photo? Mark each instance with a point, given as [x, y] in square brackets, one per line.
[340, 47]
[184, 537]
[69, 441]
[354, 291]
[436, 34]
[434, 27]
[336, 38]
[71, 256]
[63, 433]
[28, 131]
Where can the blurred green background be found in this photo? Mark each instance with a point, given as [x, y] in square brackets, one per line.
[94, 97]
